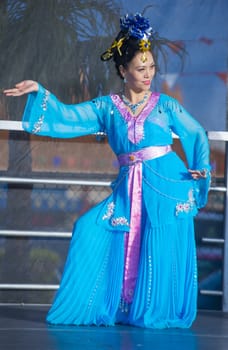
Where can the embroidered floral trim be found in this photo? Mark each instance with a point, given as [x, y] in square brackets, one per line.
[45, 99]
[186, 207]
[109, 212]
[39, 123]
[119, 221]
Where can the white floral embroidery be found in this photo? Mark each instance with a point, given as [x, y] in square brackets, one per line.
[109, 212]
[45, 99]
[119, 221]
[186, 207]
[39, 123]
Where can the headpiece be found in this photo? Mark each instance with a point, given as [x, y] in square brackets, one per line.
[135, 26]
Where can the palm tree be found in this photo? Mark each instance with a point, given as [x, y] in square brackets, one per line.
[58, 43]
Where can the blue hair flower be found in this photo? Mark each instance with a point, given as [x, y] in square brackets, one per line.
[136, 26]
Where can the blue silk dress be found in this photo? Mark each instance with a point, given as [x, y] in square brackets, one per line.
[132, 257]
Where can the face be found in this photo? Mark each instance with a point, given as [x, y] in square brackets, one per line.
[139, 72]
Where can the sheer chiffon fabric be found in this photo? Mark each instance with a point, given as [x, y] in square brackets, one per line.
[164, 292]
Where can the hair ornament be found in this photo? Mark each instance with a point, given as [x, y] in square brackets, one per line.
[144, 45]
[117, 44]
[136, 26]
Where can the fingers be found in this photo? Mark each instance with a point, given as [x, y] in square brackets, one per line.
[21, 88]
[17, 90]
[20, 84]
[197, 174]
[13, 92]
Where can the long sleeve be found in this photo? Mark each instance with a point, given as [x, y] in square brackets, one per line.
[196, 147]
[45, 115]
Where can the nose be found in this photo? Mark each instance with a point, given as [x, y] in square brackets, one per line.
[147, 73]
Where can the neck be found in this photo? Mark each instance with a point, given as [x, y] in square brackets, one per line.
[134, 96]
[139, 103]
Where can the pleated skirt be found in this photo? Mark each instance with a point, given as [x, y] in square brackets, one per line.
[165, 294]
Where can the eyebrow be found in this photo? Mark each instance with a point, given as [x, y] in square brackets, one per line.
[152, 64]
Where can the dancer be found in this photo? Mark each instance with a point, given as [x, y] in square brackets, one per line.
[132, 257]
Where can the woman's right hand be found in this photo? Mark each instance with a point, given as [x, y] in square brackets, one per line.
[24, 87]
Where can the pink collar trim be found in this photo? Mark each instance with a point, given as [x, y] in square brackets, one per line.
[135, 124]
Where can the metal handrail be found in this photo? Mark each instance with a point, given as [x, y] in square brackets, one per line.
[17, 126]
[213, 240]
[24, 286]
[54, 181]
[11, 125]
[30, 180]
[211, 292]
[38, 234]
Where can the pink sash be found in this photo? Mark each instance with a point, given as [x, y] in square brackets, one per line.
[133, 238]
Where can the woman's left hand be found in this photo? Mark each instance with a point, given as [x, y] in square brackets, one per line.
[198, 174]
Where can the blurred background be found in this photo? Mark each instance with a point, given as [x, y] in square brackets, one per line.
[59, 43]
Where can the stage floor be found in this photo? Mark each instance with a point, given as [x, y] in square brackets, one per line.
[24, 327]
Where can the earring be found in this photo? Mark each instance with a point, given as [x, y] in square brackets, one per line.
[125, 80]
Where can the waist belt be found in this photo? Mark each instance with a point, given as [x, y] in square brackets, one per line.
[143, 154]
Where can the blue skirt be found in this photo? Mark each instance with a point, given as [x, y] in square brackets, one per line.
[165, 294]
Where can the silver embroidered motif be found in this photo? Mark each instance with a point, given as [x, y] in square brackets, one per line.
[45, 99]
[39, 123]
[186, 207]
[109, 212]
[119, 221]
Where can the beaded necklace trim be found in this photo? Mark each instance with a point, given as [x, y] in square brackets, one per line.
[134, 106]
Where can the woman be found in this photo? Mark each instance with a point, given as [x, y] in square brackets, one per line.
[132, 258]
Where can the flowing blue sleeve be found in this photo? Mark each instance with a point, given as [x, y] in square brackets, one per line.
[195, 145]
[45, 115]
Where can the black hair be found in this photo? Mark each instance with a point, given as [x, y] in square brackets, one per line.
[126, 52]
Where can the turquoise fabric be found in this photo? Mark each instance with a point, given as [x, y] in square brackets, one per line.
[166, 291]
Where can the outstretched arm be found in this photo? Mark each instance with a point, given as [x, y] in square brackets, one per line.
[24, 87]
[45, 115]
